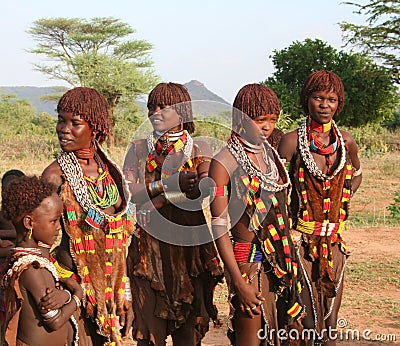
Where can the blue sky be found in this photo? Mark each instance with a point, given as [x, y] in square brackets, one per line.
[224, 44]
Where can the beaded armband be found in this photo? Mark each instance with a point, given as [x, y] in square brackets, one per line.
[175, 197]
[219, 221]
[218, 191]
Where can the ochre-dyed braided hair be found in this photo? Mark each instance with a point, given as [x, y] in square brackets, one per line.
[322, 80]
[177, 96]
[91, 106]
[24, 194]
[253, 100]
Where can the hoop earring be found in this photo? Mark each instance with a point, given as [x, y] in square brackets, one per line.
[30, 233]
[181, 123]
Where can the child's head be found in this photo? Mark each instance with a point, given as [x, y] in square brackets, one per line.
[91, 106]
[175, 95]
[322, 81]
[32, 203]
[254, 101]
[10, 175]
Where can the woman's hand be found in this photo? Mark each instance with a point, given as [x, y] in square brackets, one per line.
[187, 181]
[143, 214]
[249, 299]
[126, 319]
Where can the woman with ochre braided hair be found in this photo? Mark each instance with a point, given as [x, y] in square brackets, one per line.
[260, 260]
[325, 171]
[172, 263]
[97, 216]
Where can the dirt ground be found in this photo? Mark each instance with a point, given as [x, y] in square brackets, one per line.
[370, 306]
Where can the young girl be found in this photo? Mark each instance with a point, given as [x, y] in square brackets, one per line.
[172, 263]
[251, 188]
[325, 171]
[35, 209]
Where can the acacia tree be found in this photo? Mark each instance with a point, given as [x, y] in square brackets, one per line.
[97, 53]
[380, 37]
[370, 94]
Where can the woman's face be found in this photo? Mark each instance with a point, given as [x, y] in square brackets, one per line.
[73, 132]
[260, 128]
[322, 106]
[164, 118]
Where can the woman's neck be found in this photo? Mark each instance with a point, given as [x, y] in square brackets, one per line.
[86, 154]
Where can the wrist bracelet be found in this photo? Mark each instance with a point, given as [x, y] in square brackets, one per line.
[69, 297]
[357, 172]
[50, 314]
[155, 188]
[77, 301]
[128, 292]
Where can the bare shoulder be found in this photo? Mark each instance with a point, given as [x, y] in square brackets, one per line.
[203, 147]
[224, 156]
[36, 280]
[349, 141]
[222, 164]
[53, 173]
[288, 144]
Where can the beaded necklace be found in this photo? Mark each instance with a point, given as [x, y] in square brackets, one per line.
[73, 172]
[268, 180]
[23, 256]
[103, 190]
[308, 158]
[168, 145]
[317, 146]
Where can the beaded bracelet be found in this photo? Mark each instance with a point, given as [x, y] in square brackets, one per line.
[128, 292]
[77, 301]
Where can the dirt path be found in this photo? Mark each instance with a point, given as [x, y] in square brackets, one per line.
[370, 306]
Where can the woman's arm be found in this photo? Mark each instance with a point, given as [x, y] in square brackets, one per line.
[352, 151]
[220, 176]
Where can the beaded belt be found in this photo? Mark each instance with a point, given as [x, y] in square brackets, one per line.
[320, 228]
[247, 252]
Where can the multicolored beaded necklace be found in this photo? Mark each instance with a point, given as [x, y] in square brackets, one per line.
[307, 157]
[103, 190]
[317, 146]
[168, 144]
[72, 170]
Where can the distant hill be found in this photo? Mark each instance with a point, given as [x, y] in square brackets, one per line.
[33, 94]
[205, 103]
